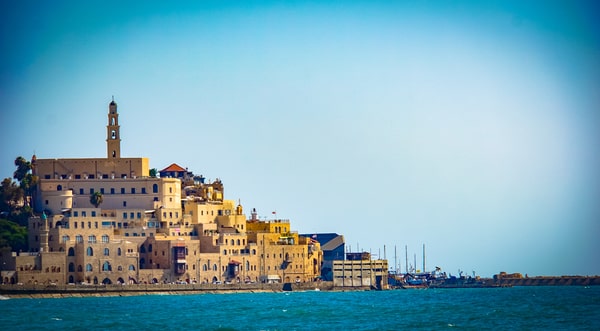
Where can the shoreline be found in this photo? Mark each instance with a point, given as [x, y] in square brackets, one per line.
[67, 291]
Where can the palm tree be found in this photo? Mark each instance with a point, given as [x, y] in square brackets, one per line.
[96, 199]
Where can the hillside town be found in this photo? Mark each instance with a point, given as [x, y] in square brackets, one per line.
[116, 220]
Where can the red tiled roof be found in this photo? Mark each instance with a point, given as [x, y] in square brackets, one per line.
[173, 167]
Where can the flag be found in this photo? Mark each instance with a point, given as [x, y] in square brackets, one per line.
[274, 212]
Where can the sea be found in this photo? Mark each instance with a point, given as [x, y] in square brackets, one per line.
[516, 308]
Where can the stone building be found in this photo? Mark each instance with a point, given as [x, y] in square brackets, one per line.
[172, 228]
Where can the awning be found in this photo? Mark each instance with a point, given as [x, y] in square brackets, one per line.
[64, 210]
[273, 277]
[149, 211]
[234, 262]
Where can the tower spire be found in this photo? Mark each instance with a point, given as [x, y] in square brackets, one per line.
[113, 136]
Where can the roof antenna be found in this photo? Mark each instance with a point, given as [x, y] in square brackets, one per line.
[113, 98]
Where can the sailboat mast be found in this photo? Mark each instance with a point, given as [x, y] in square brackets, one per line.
[424, 258]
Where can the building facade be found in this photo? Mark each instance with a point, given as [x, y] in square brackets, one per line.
[172, 228]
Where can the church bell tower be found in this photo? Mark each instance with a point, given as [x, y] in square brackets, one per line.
[113, 137]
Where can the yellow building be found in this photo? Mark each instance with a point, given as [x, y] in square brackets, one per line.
[148, 229]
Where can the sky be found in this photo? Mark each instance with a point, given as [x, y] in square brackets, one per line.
[470, 127]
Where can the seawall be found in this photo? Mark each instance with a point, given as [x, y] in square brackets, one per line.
[62, 291]
[547, 281]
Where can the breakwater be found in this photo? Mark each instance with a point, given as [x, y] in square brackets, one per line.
[59, 291]
[546, 281]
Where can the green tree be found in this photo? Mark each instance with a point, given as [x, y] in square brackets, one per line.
[27, 181]
[153, 172]
[96, 199]
[11, 195]
[23, 168]
[13, 235]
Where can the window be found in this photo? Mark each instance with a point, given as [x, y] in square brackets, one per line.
[59, 188]
[122, 190]
[92, 239]
[143, 190]
[65, 239]
[71, 251]
[170, 190]
[78, 238]
[124, 203]
[75, 214]
[102, 190]
[133, 190]
[90, 251]
[81, 191]
[88, 267]
[105, 238]
[150, 248]
[155, 188]
[106, 251]
[83, 214]
[131, 267]
[139, 215]
[132, 215]
[119, 251]
[93, 213]
[124, 215]
[112, 190]
[91, 191]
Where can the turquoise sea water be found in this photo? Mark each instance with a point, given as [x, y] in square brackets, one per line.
[518, 308]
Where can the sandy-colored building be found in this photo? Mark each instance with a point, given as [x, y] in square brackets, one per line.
[173, 228]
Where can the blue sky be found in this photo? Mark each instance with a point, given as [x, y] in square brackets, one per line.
[469, 127]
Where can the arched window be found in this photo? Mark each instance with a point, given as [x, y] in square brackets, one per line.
[149, 248]
[224, 252]
[79, 268]
[90, 251]
[106, 251]
[131, 267]
[71, 267]
[65, 239]
[120, 268]
[106, 266]
[142, 249]
[59, 188]
[142, 263]
[88, 267]
[92, 239]
[119, 251]
[155, 188]
[214, 267]
[254, 252]
[205, 268]
[78, 238]
[105, 238]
